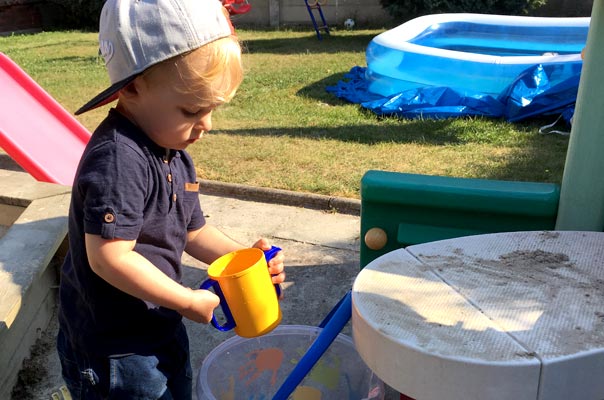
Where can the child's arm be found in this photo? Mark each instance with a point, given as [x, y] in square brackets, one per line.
[208, 243]
[117, 263]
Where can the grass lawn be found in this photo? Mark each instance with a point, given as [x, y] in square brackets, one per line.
[283, 130]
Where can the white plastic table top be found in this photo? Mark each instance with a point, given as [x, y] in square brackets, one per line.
[499, 316]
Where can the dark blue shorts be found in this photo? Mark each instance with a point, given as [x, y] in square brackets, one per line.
[165, 375]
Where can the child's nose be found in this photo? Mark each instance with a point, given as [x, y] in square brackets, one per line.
[205, 122]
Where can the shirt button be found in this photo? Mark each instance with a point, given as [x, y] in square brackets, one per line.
[174, 197]
[109, 218]
[169, 177]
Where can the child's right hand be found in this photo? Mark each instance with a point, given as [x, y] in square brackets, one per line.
[203, 303]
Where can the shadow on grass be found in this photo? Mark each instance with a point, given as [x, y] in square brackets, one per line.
[441, 133]
[309, 44]
[428, 131]
[534, 157]
[77, 60]
[61, 45]
[318, 90]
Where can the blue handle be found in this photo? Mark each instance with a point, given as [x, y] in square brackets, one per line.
[269, 254]
[212, 284]
[272, 252]
[230, 321]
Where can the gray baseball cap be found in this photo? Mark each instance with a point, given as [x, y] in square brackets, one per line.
[136, 34]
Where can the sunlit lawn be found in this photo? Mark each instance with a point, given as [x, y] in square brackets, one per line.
[283, 130]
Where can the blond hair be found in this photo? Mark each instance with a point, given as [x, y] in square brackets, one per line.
[212, 72]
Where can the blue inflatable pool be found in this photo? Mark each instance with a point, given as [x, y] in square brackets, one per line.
[472, 52]
[449, 65]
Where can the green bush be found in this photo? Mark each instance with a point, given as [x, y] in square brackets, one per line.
[80, 14]
[408, 9]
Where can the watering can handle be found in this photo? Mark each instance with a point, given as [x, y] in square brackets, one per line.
[212, 284]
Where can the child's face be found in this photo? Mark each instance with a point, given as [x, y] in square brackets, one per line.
[170, 118]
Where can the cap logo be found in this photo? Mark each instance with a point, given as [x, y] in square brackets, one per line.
[106, 48]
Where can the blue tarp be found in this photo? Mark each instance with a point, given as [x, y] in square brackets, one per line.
[539, 90]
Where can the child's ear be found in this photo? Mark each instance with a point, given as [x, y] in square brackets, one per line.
[131, 90]
[131, 94]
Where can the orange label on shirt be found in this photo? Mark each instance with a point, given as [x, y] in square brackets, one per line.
[192, 187]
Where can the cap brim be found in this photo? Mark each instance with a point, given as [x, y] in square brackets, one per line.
[106, 96]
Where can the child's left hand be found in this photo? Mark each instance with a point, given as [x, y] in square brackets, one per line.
[275, 265]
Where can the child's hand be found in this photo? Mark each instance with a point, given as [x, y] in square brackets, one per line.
[203, 303]
[275, 265]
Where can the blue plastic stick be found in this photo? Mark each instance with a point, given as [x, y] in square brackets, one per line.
[336, 323]
[332, 312]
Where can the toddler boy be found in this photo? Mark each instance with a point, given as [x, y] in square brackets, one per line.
[135, 206]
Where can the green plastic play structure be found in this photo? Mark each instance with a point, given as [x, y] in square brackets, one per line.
[414, 209]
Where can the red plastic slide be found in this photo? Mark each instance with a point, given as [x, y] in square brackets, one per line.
[35, 130]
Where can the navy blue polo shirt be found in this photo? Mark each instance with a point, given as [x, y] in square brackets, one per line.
[126, 187]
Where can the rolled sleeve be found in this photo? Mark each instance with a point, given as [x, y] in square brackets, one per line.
[114, 191]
